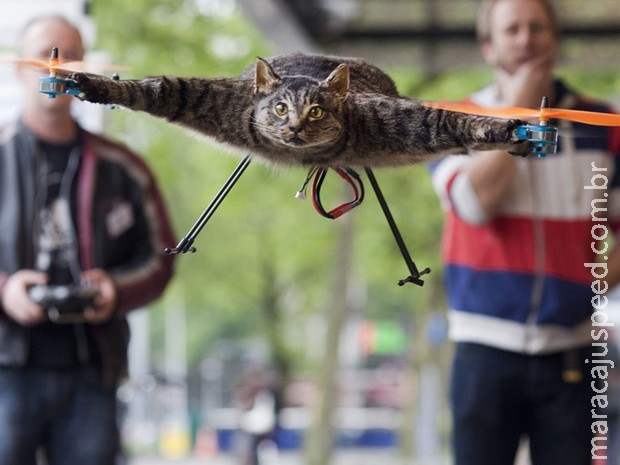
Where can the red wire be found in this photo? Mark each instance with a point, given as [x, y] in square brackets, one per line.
[340, 210]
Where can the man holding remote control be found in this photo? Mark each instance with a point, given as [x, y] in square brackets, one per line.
[83, 235]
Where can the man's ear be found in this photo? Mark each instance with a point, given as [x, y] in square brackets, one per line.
[265, 78]
[488, 53]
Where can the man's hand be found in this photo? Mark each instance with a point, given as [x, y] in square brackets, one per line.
[492, 174]
[526, 86]
[17, 303]
[107, 298]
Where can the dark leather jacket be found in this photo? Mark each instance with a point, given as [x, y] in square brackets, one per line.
[110, 180]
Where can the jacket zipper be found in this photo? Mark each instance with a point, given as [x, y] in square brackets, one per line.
[539, 265]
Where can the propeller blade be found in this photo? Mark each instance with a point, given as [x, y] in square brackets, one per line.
[580, 116]
[85, 66]
[28, 62]
[498, 112]
[69, 67]
[588, 117]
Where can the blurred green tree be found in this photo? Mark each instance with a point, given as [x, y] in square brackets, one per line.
[263, 249]
[267, 265]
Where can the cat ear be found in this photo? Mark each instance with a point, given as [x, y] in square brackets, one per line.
[338, 81]
[265, 78]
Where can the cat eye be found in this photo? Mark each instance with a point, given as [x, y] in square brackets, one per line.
[281, 109]
[316, 112]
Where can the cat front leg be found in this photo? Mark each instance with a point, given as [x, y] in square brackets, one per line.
[485, 133]
[145, 95]
[216, 108]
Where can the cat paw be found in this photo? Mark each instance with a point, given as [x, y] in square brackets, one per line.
[519, 147]
[92, 88]
[511, 127]
[522, 148]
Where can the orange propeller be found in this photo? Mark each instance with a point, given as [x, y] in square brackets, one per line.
[68, 67]
[56, 65]
[544, 114]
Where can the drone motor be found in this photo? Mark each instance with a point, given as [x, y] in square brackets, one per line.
[53, 86]
[544, 138]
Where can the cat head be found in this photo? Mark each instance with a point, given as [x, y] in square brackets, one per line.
[299, 111]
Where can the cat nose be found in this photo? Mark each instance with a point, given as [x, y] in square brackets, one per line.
[295, 128]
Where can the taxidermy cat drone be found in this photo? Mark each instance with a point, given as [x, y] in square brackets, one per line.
[322, 112]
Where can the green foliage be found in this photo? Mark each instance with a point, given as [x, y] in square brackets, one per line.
[600, 84]
[263, 248]
[260, 225]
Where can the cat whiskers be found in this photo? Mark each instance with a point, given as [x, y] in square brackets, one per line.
[260, 126]
[285, 137]
[267, 130]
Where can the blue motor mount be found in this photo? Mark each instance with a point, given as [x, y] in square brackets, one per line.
[53, 86]
[544, 138]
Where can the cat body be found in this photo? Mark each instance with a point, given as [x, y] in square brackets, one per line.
[299, 109]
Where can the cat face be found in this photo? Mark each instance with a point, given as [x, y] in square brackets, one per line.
[299, 111]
